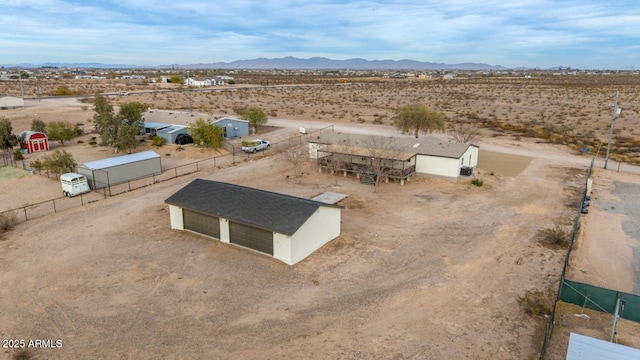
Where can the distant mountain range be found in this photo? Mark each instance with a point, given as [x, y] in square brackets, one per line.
[289, 63]
[322, 63]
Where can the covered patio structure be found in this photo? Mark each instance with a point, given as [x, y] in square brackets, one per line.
[364, 162]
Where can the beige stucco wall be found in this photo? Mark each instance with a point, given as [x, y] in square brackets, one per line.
[224, 231]
[282, 247]
[313, 150]
[175, 214]
[470, 157]
[438, 166]
[322, 227]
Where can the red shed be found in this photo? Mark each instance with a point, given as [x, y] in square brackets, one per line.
[34, 141]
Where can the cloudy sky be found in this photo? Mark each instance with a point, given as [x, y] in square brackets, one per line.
[590, 34]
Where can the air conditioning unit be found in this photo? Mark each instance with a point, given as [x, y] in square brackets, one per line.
[466, 171]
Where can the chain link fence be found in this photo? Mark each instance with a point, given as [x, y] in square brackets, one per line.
[104, 190]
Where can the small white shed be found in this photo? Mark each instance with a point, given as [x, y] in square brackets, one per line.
[286, 227]
[10, 102]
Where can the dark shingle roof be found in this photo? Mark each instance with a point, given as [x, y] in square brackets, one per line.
[263, 209]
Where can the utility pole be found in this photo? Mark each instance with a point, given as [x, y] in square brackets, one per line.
[21, 88]
[37, 90]
[616, 315]
[616, 111]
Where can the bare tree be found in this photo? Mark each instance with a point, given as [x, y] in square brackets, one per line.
[464, 133]
[380, 154]
[296, 154]
[338, 163]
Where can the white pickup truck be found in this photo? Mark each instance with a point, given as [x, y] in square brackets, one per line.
[255, 145]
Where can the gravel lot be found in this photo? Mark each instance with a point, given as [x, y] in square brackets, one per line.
[431, 269]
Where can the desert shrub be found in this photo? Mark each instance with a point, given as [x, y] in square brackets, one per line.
[59, 162]
[536, 302]
[37, 164]
[239, 109]
[179, 148]
[62, 90]
[17, 155]
[157, 141]
[78, 128]
[22, 354]
[477, 182]
[558, 235]
[93, 143]
[8, 221]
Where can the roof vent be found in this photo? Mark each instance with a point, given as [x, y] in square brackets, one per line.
[416, 145]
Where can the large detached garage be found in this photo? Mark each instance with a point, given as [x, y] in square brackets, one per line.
[286, 227]
[119, 169]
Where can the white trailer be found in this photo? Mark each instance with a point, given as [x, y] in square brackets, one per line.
[74, 184]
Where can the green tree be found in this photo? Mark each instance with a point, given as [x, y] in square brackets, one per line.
[7, 138]
[118, 131]
[255, 115]
[175, 79]
[105, 120]
[59, 162]
[126, 137]
[61, 131]
[38, 125]
[417, 118]
[131, 113]
[206, 134]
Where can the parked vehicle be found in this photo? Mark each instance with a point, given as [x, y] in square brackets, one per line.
[183, 139]
[74, 184]
[123, 93]
[253, 146]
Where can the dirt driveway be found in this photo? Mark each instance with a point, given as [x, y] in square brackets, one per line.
[431, 269]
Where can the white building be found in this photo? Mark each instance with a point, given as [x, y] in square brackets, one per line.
[286, 227]
[428, 156]
[10, 102]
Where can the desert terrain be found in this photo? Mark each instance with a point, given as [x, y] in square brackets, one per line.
[571, 110]
[427, 270]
